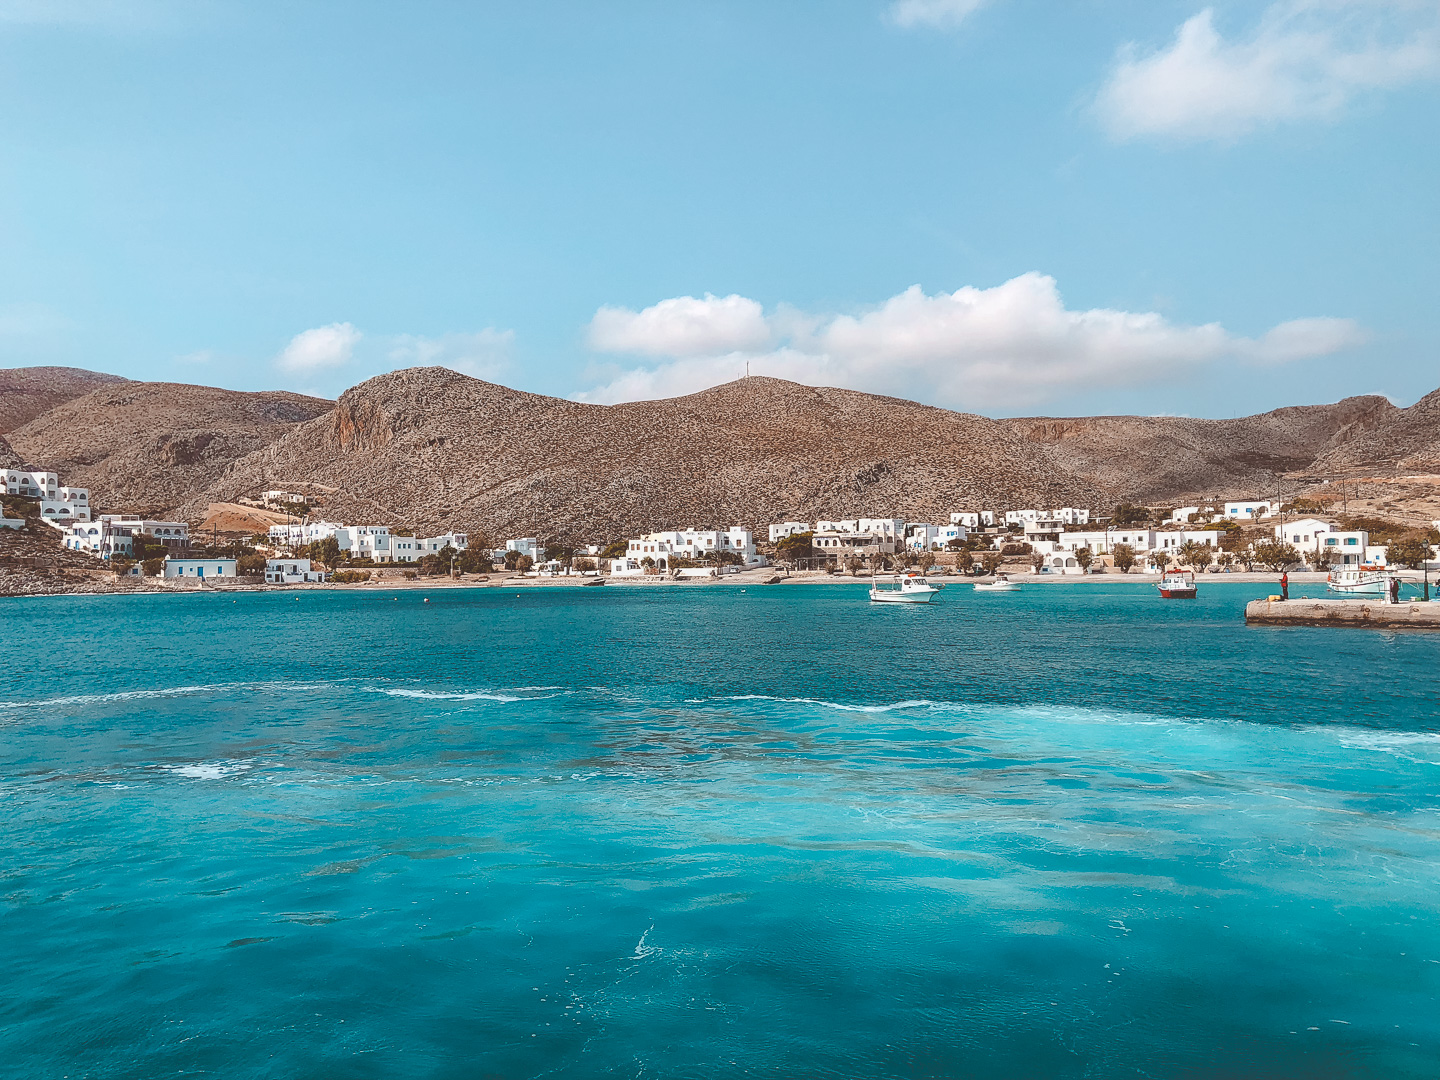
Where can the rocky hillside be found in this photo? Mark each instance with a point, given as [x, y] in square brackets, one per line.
[8, 458]
[1409, 441]
[428, 447]
[1161, 458]
[26, 393]
[151, 446]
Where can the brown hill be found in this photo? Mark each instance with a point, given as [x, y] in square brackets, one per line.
[8, 458]
[428, 447]
[1409, 440]
[150, 446]
[1162, 458]
[25, 393]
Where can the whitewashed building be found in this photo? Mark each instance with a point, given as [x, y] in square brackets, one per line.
[788, 528]
[1303, 533]
[433, 544]
[201, 569]
[974, 519]
[98, 538]
[1172, 539]
[291, 572]
[31, 484]
[1104, 541]
[1345, 548]
[68, 504]
[174, 534]
[1250, 511]
[694, 544]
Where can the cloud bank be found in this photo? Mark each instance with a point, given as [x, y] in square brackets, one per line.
[1306, 59]
[1015, 344]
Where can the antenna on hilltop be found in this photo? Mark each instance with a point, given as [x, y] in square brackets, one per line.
[747, 369]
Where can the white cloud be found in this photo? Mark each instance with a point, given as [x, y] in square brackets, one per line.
[945, 14]
[1306, 59]
[683, 326]
[483, 354]
[1011, 345]
[318, 349]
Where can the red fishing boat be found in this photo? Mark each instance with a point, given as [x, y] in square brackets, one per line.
[1178, 585]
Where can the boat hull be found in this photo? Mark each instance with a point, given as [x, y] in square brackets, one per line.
[1367, 588]
[901, 598]
[1010, 587]
[1179, 594]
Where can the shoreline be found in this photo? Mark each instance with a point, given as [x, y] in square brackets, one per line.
[756, 578]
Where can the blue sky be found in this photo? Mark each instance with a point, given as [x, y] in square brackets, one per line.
[1011, 206]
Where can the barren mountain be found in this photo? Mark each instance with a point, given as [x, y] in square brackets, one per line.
[1409, 440]
[428, 447]
[1163, 458]
[150, 446]
[25, 393]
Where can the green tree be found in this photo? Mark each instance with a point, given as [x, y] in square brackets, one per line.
[1123, 557]
[964, 562]
[511, 558]
[1274, 555]
[326, 552]
[1321, 558]
[250, 564]
[647, 563]
[1195, 554]
[476, 560]
[1224, 559]
[990, 562]
[1160, 560]
[1037, 562]
[1409, 552]
[796, 546]
[1129, 514]
[524, 563]
[926, 562]
[153, 567]
[1084, 556]
[615, 550]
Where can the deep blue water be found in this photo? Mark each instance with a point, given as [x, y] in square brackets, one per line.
[1075, 831]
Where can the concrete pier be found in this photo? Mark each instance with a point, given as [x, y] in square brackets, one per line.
[1373, 612]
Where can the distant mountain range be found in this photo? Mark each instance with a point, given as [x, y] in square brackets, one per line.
[431, 448]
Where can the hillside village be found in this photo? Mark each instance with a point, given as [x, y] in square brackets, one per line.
[1217, 537]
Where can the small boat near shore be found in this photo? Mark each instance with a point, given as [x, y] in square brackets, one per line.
[1002, 583]
[1364, 580]
[911, 589]
[1178, 585]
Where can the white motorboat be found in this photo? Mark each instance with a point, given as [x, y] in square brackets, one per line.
[1002, 583]
[911, 589]
[1363, 580]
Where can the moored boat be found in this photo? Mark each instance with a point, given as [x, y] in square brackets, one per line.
[1364, 580]
[1002, 583]
[911, 589]
[1178, 585]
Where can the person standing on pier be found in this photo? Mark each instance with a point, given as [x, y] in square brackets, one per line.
[1285, 585]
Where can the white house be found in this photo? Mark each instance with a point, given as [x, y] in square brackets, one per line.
[433, 544]
[34, 485]
[1303, 534]
[170, 533]
[303, 533]
[1043, 528]
[973, 519]
[694, 544]
[1181, 514]
[1250, 511]
[525, 545]
[1171, 539]
[212, 569]
[1069, 515]
[929, 537]
[1103, 542]
[97, 538]
[68, 504]
[1345, 548]
[788, 528]
[290, 572]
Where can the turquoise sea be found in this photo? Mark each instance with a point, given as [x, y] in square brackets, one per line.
[1075, 831]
